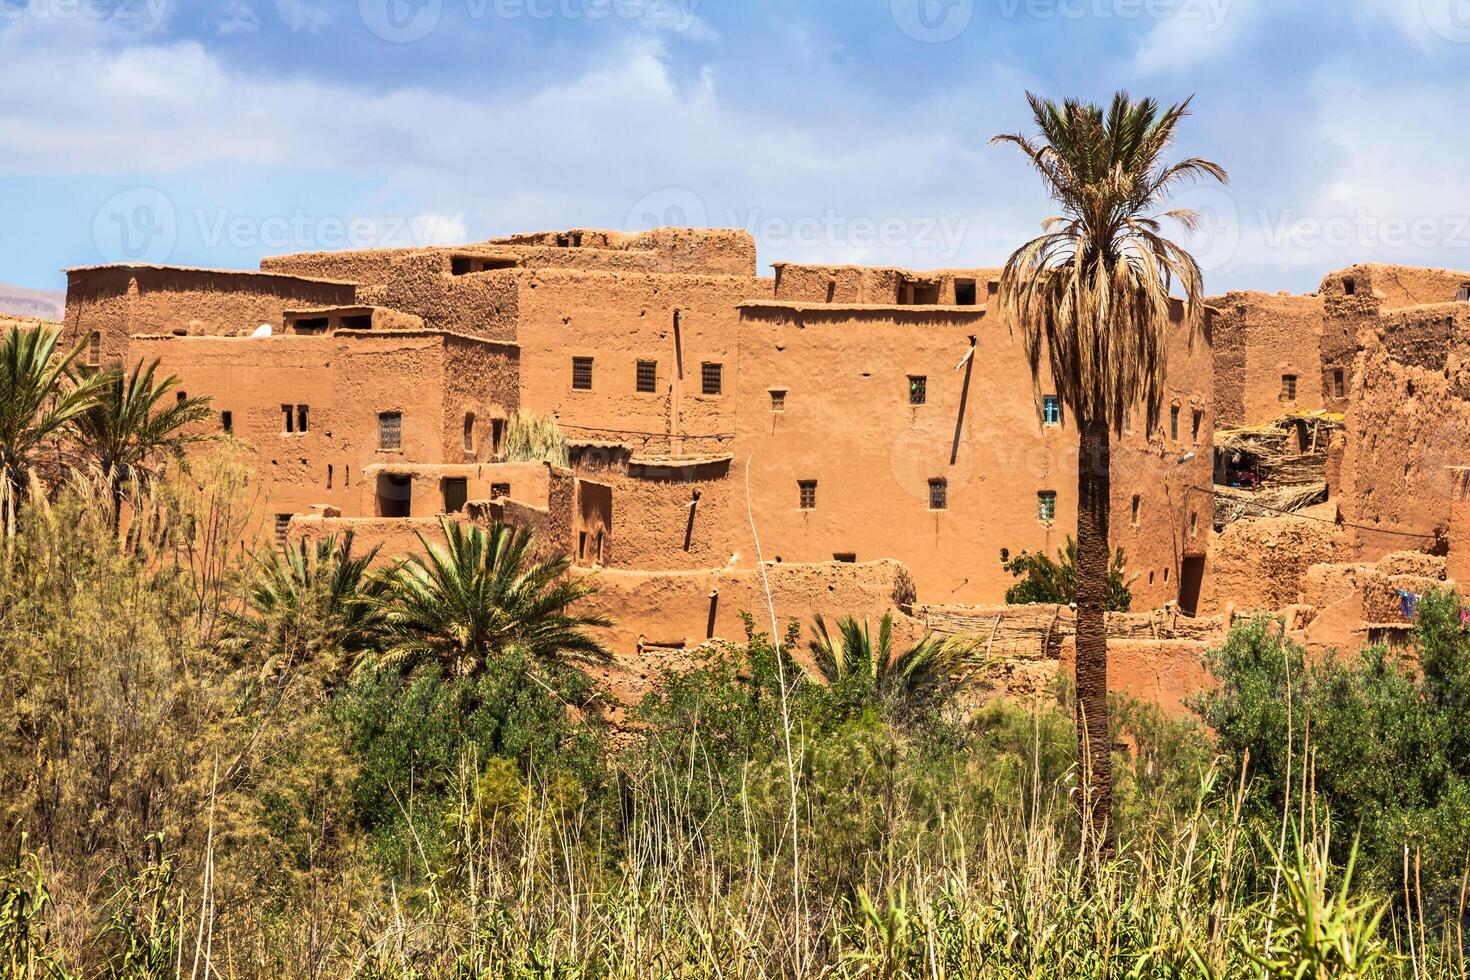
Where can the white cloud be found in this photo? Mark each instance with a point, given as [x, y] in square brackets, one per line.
[235, 17]
[1192, 33]
[303, 15]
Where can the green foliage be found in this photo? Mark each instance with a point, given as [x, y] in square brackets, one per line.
[480, 597]
[1381, 742]
[310, 605]
[532, 438]
[860, 672]
[126, 428]
[26, 946]
[1055, 582]
[40, 400]
[412, 735]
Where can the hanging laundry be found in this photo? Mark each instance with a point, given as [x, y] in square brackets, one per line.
[1465, 615]
[1408, 603]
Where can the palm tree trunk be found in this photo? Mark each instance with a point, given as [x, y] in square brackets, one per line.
[1094, 484]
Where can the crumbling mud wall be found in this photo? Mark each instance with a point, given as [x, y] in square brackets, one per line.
[1408, 428]
[116, 302]
[1262, 564]
[882, 286]
[1260, 340]
[660, 616]
[1355, 297]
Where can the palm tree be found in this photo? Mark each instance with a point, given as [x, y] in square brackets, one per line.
[480, 596]
[40, 399]
[125, 429]
[907, 680]
[310, 603]
[1092, 296]
[1046, 581]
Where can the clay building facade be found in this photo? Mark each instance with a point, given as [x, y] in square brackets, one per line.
[1268, 358]
[842, 411]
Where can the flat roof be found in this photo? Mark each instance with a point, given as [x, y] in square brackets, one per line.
[150, 267]
[812, 307]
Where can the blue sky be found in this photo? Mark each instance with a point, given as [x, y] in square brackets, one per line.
[212, 132]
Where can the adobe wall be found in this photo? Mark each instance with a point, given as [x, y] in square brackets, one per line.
[1353, 299]
[119, 301]
[878, 286]
[345, 380]
[528, 483]
[709, 251]
[658, 616]
[1408, 429]
[1263, 564]
[617, 321]
[1258, 339]
[846, 422]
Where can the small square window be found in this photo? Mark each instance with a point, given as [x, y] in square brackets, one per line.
[1174, 422]
[1349, 286]
[918, 389]
[807, 494]
[778, 399]
[390, 430]
[283, 525]
[1288, 387]
[582, 373]
[712, 376]
[498, 490]
[845, 557]
[964, 292]
[1051, 410]
[938, 494]
[1339, 384]
[1046, 505]
[647, 382]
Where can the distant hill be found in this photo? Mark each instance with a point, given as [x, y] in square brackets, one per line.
[42, 304]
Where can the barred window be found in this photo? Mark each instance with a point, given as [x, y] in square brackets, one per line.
[939, 494]
[711, 374]
[94, 350]
[807, 494]
[390, 430]
[778, 399]
[648, 376]
[1046, 505]
[1051, 410]
[582, 373]
[918, 389]
[1288, 387]
[283, 524]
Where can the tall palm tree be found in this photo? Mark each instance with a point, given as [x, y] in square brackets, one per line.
[310, 603]
[127, 428]
[40, 399]
[905, 680]
[1092, 296]
[482, 595]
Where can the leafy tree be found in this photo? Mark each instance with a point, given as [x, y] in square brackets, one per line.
[480, 596]
[40, 399]
[310, 603]
[127, 428]
[1046, 581]
[858, 668]
[1092, 296]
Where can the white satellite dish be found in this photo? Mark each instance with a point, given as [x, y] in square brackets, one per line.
[264, 330]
